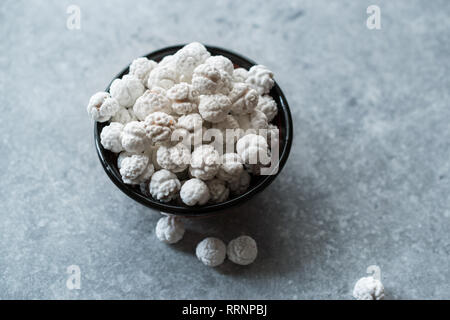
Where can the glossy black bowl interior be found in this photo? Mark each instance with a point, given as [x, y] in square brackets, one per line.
[258, 183]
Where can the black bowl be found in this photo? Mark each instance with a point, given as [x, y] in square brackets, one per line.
[258, 183]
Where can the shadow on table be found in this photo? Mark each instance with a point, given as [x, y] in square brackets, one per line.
[285, 231]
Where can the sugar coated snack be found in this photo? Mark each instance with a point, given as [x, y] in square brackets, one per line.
[191, 117]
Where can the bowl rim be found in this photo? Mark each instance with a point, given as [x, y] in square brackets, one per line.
[209, 208]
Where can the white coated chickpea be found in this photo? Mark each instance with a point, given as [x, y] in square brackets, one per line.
[242, 250]
[102, 107]
[211, 252]
[194, 192]
[169, 230]
[127, 90]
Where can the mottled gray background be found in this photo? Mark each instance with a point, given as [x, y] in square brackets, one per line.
[367, 182]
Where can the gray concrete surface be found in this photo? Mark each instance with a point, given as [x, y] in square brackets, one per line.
[367, 182]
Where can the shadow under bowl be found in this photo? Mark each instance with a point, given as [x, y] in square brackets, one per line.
[283, 121]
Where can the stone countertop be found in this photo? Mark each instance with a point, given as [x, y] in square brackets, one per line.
[367, 181]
